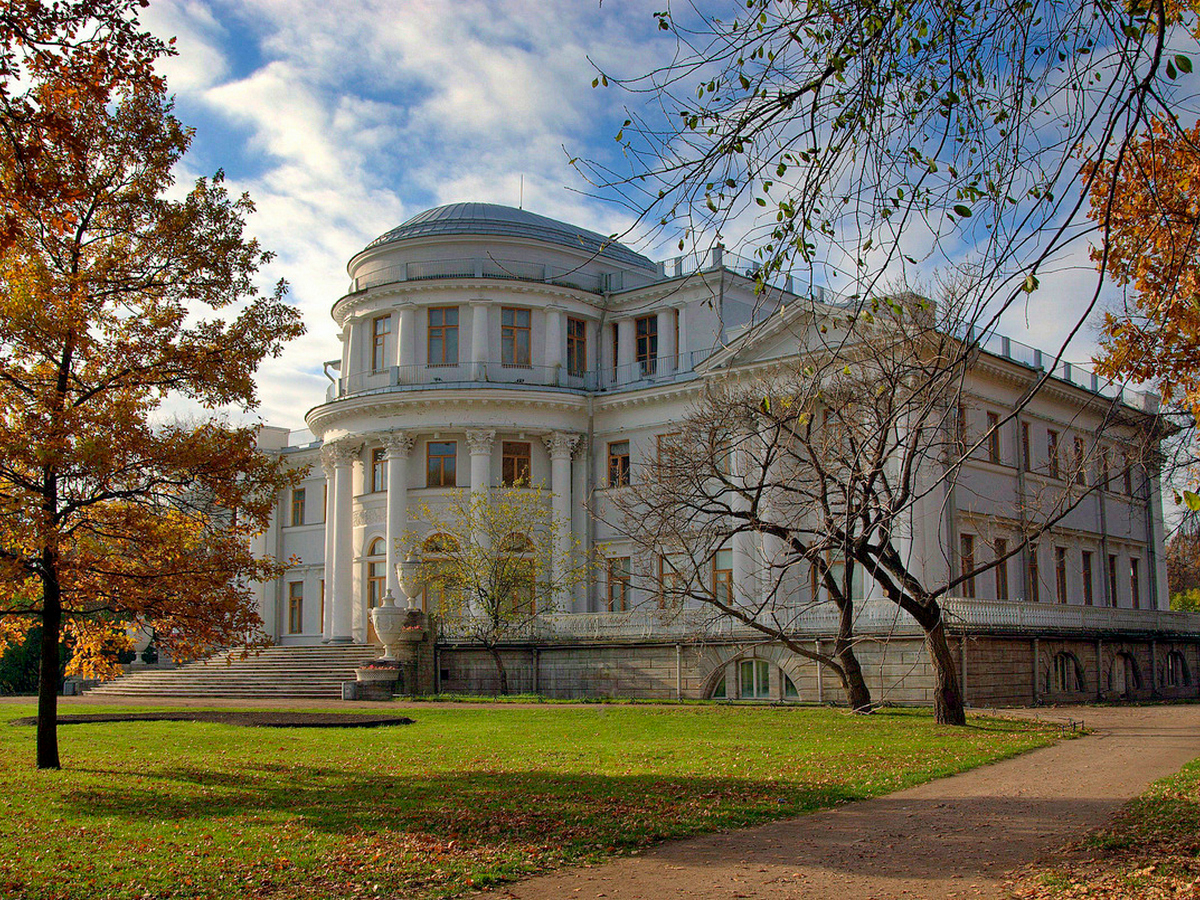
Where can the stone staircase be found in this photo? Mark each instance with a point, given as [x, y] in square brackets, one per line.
[275, 673]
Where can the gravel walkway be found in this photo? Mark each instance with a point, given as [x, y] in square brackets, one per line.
[958, 837]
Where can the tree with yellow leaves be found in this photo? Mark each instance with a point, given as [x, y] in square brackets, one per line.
[111, 514]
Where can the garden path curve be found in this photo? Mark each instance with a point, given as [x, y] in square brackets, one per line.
[953, 838]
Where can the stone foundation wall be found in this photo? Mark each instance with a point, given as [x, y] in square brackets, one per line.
[999, 671]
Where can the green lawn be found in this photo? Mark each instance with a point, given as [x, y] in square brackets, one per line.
[464, 797]
[1151, 849]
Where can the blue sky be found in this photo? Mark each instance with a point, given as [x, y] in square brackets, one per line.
[343, 119]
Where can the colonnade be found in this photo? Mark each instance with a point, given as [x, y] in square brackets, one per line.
[338, 459]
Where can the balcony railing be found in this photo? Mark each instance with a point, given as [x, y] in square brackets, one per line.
[489, 267]
[871, 617]
[500, 374]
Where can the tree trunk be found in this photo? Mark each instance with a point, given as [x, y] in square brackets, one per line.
[947, 699]
[47, 717]
[855, 686]
[501, 672]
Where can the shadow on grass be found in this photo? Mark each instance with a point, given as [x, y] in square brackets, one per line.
[618, 811]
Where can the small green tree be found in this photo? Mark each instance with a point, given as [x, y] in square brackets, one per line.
[492, 562]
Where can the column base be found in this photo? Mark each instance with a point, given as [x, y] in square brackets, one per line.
[340, 640]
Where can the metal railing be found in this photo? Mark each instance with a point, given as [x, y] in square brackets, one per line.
[488, 267]
[872, 617]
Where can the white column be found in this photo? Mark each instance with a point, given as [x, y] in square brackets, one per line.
[626, 337]
[665, 364]
[480, 443]
[343, 539]
[406, 343]
[397, 446]
[330, 513]
[561, 445]
[479, 337]
[745, 582]
[685, 364]
[555, 344]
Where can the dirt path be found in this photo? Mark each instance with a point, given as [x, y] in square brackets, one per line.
[958, 837]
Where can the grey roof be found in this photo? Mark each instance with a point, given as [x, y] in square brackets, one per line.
[494, 219]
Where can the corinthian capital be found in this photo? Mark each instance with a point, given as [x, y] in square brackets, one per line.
[561, 443]
[397, 444]
[340, 453]
[481, 441]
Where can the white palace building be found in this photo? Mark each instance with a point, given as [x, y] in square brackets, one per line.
[482, 343]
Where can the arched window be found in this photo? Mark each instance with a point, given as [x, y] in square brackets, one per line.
[1123, 675]
[376, 572]
[1065, 675]
[1175, 672]
[439, 576]
[754, 679]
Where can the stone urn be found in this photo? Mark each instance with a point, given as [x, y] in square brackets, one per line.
[389, 621]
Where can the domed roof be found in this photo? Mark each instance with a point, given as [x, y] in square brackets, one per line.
[505, 221]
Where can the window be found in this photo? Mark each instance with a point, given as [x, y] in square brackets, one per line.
[378, 470]
[1176, 673]
[1135, 583]
[1035, 587]
[1128, 475]
[441, 464]
[376, 573]
[1052, 468]
[517, 575]
[722, 576]
[1085, 572]
[514, 463]
[381, 327]
[298, 506]
[1001, 546]
[721, 692]
[296, 607]
[439, 574]
[675, 325]
[1026, 462]
[616, 348]
[966, 543]
[666, 447]
[755, 679]
[514, 337]
[443, 335]
[576, 347]
[993, 441]
[790, 691]
[669, 584]
[814, 581]
[1060, 574]
[960, 429]
[1065, 676]
[1077, 462]
[647, 343]
[1104, 467]
[1112, 579]
[618, 464]
[618, 584]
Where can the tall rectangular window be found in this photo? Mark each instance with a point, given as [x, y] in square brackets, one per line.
[1085, 572]
[1026, 462]
[514, 463]
[960, 429]
[1052, 468]
[1035, 576]
[1077, 458]
[1135, 582]
[443, 335]
[675, 325]
[1001, 548]
[514, 337]
[1113, 596]
[441, 464]
[669, 584]
[616, 349]
[1128, 475]
[1104, 468]
[381, 327]
[576, 347]
[647, 343]
[295, 607]
[298, 506]
[722, 576]
[666, 446]
[1060, 574]
[993, 441]
[966, 555]
[618, 464]
[378, 470]
[618, 584]
[754, 677]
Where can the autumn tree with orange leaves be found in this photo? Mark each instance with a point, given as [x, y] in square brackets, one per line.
[116, 299]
